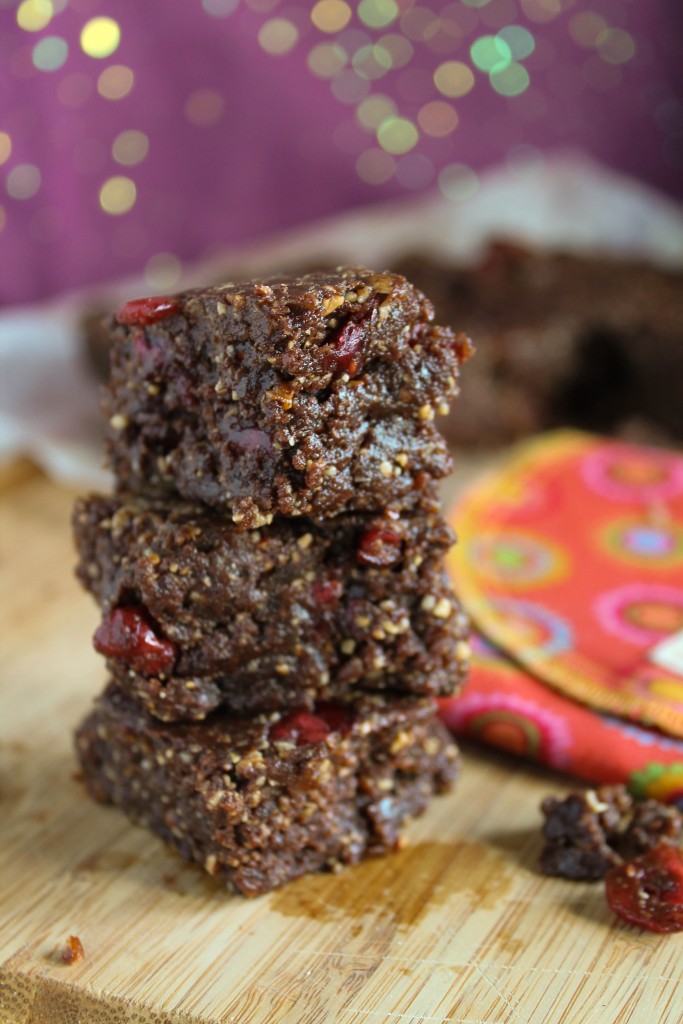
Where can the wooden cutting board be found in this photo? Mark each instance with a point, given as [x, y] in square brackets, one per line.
[458, 927]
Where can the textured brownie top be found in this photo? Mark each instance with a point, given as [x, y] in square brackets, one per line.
[199, 613]
[305, 395]
[563, 338]
[262, 800]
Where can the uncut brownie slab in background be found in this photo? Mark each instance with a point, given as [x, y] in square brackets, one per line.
[562, 339]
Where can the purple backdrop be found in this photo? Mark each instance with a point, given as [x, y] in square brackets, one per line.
[165, 130]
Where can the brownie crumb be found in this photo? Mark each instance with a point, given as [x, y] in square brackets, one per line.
[72, 952]
[589, 832]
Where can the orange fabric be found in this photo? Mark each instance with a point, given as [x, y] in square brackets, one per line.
[570, 563]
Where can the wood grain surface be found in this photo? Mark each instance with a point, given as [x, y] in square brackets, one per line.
[458, 927]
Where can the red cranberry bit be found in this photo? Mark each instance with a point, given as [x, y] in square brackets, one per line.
[338, 717]
[327, 591]
[380, 546]
[301, 727]
[128, 634]
[648, 890]
[138, 312]
[73, 950]
[344, 355]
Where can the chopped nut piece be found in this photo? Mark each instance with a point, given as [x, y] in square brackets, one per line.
[283, 394]
[382, 283]
[442, 609]
[463, 650]
[332, 302]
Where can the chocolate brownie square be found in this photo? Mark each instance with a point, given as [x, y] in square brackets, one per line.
[260, 801]
[199, 614]
[307, 395]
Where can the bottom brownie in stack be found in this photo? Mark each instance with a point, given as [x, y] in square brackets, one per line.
[261, 800]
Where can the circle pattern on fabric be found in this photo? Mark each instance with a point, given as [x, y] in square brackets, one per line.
[640, 613]
[639, 543]
[518, 559]
[514, 724]
[628, 474]
[655, 684]
[540, 633]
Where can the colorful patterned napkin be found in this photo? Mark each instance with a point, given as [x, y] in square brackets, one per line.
[570, 563]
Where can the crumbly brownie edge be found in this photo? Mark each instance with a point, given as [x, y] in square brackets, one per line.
[297, 612]
[302, 396]
[588, 832]
[256, 809]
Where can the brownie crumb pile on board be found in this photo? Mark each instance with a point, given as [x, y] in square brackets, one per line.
[634, 845]
[276, 616]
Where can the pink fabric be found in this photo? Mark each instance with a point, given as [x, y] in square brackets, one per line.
[284, 149]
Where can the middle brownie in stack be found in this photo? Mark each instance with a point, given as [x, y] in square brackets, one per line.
[271, 570]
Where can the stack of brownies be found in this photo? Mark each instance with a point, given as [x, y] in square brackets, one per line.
[277, 619]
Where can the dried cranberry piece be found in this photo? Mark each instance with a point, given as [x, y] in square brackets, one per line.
[327, 591]
[344, 353]
[338, 717]
[380, 545]
[138, 312]
[129, 634]
[304, 727]
[648, 891]
[300, 727]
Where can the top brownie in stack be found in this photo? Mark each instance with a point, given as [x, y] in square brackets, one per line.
[308, 395]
